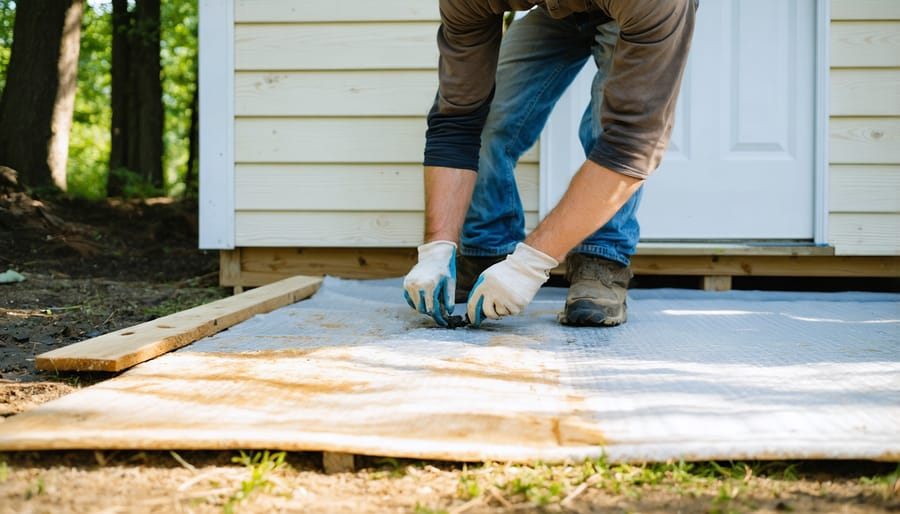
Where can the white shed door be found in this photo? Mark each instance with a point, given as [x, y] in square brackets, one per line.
[741, 161]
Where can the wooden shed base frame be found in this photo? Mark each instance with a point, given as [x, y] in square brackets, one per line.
[713, 265]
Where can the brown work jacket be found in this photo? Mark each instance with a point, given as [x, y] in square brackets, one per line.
[639, 96]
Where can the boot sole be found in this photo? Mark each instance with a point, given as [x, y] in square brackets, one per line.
[585, 313]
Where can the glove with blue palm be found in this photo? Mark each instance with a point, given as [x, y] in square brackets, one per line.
[430, 287]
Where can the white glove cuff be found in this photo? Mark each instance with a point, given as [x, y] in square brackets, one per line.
[534, 258]
[437, 249]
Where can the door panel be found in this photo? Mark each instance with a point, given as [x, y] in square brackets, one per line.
[740, 164]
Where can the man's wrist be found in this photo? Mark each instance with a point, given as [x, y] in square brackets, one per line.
[447, 194]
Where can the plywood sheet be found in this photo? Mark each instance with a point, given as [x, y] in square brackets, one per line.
[693, 375]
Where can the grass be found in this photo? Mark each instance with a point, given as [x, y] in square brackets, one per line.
[726, 485]
[264, 481]
[183, 299]
[260, 465]
[422, 509]
[889, 483]
[35, 489]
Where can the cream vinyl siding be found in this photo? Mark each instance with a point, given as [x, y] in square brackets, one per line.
[330, 104]
[864, 128]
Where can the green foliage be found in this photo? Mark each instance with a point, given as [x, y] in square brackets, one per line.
[36, 489]
[89, 143]
[422, 509]
[540, 484]
[727, 484]
[134, 185]
[7, 19]
[90, 138]
[890, 482]
[260, 465]
[468, 486]
[178, 54]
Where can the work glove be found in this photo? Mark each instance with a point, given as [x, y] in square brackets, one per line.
[430, 287]
[507, 287]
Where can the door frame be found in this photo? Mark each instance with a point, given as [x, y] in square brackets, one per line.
[555, 143]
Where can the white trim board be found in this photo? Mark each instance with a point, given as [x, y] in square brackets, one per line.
[823, 70]
[216, 69]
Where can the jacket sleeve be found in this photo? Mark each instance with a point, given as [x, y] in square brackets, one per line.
[638, 108]
[469, 44]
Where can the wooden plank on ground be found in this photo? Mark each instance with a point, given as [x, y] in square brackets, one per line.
[124, 348]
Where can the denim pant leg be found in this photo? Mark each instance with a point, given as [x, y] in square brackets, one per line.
[539, 58]
[618, 238]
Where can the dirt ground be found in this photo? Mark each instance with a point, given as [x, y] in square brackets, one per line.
[91, 268]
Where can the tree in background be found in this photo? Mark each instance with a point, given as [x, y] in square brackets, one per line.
[137, 104]
[39, 93]
[179, 60]
[90, 144]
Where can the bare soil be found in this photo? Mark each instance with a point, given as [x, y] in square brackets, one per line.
[94, 267]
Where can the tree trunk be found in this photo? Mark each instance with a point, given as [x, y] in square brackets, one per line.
[137, 108]
[38, 100]
[121, 91]
[148, 80]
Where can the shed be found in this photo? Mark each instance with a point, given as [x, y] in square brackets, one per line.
[313, 119]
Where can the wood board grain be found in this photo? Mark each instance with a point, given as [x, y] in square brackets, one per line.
[129, 346]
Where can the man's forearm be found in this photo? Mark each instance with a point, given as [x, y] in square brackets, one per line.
[447, 195]
[595, 194]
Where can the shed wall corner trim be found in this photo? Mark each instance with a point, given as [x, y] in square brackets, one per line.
[216, 68]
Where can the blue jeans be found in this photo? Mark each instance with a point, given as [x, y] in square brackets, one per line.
[539, 58]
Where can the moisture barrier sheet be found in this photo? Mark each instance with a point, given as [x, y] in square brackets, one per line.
[692, 375]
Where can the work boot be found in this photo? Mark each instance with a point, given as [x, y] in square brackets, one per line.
[597, 291]
[467, 271]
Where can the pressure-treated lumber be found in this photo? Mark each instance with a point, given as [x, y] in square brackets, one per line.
[257, 266]
[337, 462]
[124, 348]
[716, 283]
